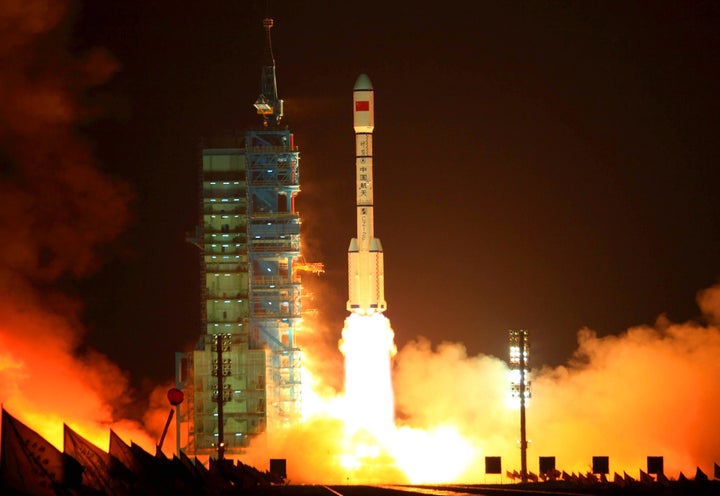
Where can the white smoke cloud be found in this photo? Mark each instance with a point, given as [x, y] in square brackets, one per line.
[650, 391]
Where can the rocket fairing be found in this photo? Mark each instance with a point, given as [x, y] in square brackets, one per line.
[366, 272]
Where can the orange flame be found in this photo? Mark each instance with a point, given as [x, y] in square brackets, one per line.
[650, 391]
[51, 227]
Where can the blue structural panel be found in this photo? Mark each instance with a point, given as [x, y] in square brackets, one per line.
[273, 248]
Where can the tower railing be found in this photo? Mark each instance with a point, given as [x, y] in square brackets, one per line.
[272, 149]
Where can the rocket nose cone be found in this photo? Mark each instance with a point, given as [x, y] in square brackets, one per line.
[362, 83]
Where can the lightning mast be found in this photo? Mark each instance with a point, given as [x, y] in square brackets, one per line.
[268, 104]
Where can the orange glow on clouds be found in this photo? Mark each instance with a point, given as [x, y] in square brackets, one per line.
[44, 382]
[654, 390]
[57, 212]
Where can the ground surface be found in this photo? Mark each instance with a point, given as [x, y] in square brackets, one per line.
[669, 489]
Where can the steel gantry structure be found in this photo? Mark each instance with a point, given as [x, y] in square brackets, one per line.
[243, 378]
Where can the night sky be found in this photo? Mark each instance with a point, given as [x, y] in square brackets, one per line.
[538, 165]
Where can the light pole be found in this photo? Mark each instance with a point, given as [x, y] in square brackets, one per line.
[519, 354]
[222, 395]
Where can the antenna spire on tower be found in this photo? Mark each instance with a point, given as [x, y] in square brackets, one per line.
[268, 104]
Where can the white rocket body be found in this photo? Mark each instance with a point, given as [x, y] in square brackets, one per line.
[366, 271]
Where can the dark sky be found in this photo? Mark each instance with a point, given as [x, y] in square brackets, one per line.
[539, 165]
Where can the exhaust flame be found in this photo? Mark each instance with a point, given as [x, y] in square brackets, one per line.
[368, 346]
[373, 443]
[650, 391]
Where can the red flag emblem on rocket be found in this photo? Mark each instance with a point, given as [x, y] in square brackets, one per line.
[362, 105]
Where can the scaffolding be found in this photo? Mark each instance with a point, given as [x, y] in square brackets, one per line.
[274, 247]
[244, 376]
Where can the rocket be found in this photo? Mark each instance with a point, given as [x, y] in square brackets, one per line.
[366, 272]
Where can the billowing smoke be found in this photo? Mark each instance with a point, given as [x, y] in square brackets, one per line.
[709, 302]
[319, 341]
[654, 390]
[58, 215]
[651, 391]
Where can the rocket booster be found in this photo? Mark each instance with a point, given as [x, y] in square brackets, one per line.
[366, 272]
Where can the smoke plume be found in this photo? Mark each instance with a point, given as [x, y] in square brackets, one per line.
[651, 391]
[58, 215]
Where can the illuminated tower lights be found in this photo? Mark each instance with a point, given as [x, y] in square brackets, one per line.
[520, 387]
[243, 378]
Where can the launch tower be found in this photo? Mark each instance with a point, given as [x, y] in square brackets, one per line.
[243, 378]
